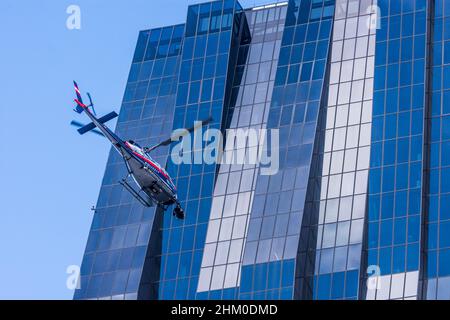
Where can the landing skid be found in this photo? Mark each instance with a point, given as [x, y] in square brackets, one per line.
[134, 193]
[177, 212]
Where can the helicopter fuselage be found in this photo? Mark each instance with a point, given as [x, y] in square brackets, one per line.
[149, 176]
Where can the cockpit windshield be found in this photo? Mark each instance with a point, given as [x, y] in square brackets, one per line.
[137, 148]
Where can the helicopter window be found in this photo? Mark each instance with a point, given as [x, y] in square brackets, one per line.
[137, 148]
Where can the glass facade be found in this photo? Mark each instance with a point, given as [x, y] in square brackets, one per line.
[234, 191]
[438, 218]
[356, 95]
[397, 161]
[213, 33]
[118, 262]
[345, 153]
[269, 260]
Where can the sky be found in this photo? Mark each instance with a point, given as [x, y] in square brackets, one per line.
[50, 175]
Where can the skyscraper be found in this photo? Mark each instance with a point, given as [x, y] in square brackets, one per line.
[352, 98]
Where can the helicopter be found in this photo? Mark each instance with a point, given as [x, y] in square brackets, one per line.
[155, 184]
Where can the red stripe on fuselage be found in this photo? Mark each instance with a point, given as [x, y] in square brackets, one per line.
[80, 104]
[151, 163]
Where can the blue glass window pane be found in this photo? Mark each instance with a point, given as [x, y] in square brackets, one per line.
[446, 102]
[445, 208]
[312, 33]
[351, 284]
[399, 259]
[120, 282]
[194, 92]
[385, 260]
[309, 53]
[274, 277]
[432, 264]
[444, 263]
[413, 228]
[417, 120]
[386, 233]
[415, 174]
[374, 181]
[200, 47]
[445, 128]
[206, 90]
[446, 52]
[323, 288]
[400, 204]
[224, 43]
[444, 239]
[288, 36]
[306, 72]
[388, 178]
[393, 51]
[188, 48]
[246, 279]
[402, 150]
[380, 56]
[378, 103]
[185, 264]
[141, 45]
[293, 73]
[213, 41]
[392, 100]
[288, 273]
[446, 77]
[210, 67]
[419, 71]
[416, 148]
[419, 47]
[373, 234]
[296, 55]
[172, 266]
[400, 231]
[405, 99]
[445, 183]
[281, 76]
[168, 289]
[200, 235]
[387, 205]
[197, 69]
[413, 257]
[338, 285]
[392, 75]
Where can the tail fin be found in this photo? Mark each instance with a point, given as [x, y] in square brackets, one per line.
[79, 100]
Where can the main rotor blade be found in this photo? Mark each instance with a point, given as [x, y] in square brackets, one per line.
[80, 125]
[175, 137]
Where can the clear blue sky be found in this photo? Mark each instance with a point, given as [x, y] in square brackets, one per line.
[50, 175]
